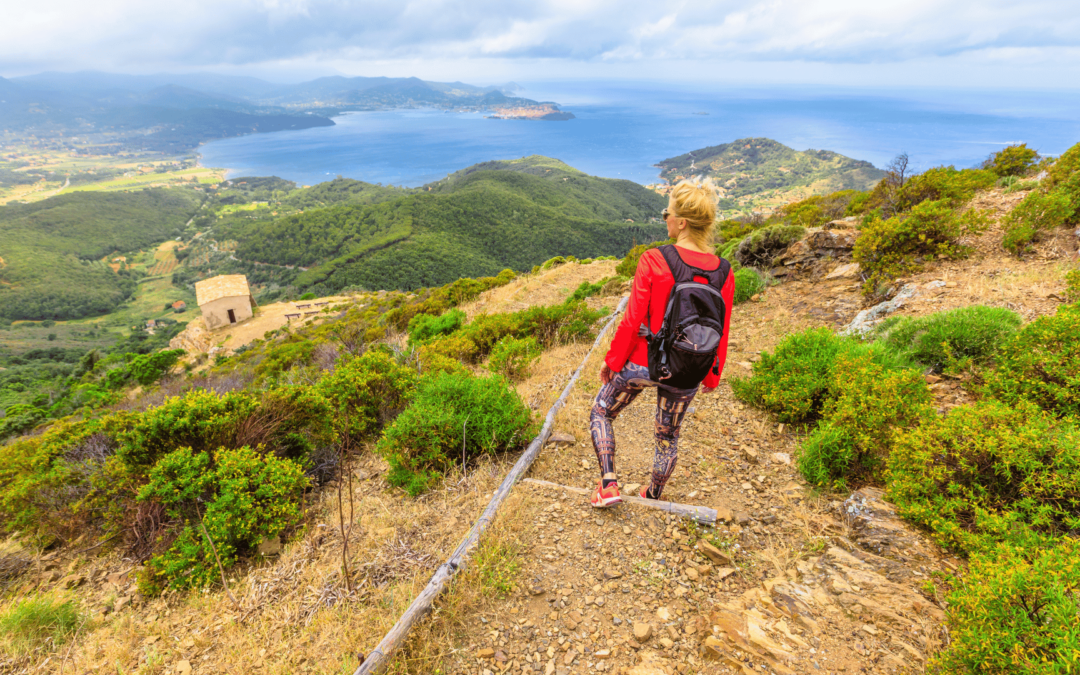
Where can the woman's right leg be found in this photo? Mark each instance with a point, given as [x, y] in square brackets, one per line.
[613, 397]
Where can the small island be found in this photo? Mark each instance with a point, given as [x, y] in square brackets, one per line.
[548, 112]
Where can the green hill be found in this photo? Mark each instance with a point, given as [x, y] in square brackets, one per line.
[753, 166]
[52, 250]
[475, 222]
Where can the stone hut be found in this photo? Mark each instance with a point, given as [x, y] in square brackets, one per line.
[224, 300]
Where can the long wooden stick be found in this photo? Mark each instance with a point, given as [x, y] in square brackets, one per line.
[378, 660]
[701, 514]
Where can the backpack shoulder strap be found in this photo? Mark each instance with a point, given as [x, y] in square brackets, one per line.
[680, 271]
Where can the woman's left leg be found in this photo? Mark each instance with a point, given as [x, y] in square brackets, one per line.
[671, 407]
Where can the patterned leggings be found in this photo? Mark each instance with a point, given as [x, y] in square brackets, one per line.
[671, 406]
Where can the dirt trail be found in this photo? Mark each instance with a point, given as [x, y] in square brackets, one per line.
[796, 583]
[594, 578]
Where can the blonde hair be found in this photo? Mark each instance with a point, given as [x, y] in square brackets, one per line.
[695, 201]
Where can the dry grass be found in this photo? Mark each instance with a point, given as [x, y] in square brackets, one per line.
[295, 614]
[548, 287]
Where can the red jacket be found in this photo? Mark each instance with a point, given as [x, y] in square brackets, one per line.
[648, 299]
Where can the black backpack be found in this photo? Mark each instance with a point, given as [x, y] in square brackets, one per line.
[684, 350]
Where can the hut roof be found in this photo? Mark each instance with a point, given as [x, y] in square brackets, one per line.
[224, 286]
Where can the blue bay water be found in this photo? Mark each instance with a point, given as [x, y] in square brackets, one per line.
[622, 130]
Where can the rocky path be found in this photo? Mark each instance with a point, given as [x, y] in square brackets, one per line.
[787, 582]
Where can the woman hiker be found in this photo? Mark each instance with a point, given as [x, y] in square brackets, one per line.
[690, 216]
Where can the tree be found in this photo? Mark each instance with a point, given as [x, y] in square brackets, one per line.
[895, 176]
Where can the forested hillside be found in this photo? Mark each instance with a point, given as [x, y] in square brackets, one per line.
[750, 166]
[478, 221]
[52, 251]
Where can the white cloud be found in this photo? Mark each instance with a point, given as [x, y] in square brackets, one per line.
[584, 36]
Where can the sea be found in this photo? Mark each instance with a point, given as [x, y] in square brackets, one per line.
[622, 129]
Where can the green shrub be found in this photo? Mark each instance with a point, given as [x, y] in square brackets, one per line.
[866, 404]
[1041, 364]
[40, 621]
[425, 327]
[733, 231]
[307, 296]
[1064, 168]
[892, 247]
[761, 246]
[748, 283]
[453, 418]
[795, 381]
[989, 472]
[826, 455]
[1016, 185]
[366, 393]
[512, 357]
[248, 497]
[628, 267]
[1014, 160]
[1015, 611]
[204, 420]
[550, 325]
[1072, 286]
[613, 286]
[953, 339]
[817, 210]
[1039, 212]
[586, 290]
[727, 251]
[438, 300]
[20, 418]
[946, 184]
[552, 262]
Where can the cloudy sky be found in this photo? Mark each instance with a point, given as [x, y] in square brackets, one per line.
[981, 43]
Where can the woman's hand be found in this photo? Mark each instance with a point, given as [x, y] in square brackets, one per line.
[606, 374]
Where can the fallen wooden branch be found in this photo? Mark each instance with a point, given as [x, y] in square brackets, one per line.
[701, 514]
[379, 658]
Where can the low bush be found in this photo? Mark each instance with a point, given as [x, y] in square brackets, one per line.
[760, 247]
[1039, 212]
[748, 283]
[989, 472]
[727, 251]
[453, 419]
[954, 339]
[1015, 611]
[628, 267]
[425, 327]
[947, 184]
[867, 402]
[237, 498]
[887, 248]
[586, 290]
[38, 622]
[1072, 286]
[437, 300]
[1064, 168]
[205, 421]
[367, 392]
[512, 357]
[1017, 185]
[795, 381]
[733, 231]
[1013, 160]
[817, 210]
[1041, 364]
[549, 325]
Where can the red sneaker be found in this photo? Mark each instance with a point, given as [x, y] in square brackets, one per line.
[604, 497]
[645, 492]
